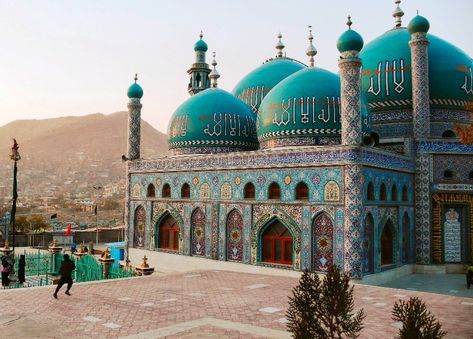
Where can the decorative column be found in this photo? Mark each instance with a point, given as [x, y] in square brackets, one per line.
[418, 27]
[350, 44]
[135, 93]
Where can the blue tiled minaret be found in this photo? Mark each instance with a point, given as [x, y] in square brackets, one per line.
[350, 44]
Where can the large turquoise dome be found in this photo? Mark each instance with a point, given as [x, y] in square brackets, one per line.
[212, 121]
[303, 109]
[386, 75]
[255, 85]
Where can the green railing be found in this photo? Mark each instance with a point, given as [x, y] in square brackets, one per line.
[36, 264]
[88, 269]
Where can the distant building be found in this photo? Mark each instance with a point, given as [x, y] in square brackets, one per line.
[301, 168]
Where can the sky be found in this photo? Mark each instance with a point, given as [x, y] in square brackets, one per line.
[63, 58]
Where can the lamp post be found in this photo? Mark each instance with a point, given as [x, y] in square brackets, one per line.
[15, 156]
[97, 189]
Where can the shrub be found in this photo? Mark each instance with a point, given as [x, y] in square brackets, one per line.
[417, 321]
[323, 309]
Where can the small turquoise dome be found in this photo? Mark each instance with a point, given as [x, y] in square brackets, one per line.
[350, 40]
[387, 76]
[212, 121]
[303, 109]
[255, 85]
[418, 24]
[135, 91]
[201, 46]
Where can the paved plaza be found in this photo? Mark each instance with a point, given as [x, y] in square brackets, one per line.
[202, 303]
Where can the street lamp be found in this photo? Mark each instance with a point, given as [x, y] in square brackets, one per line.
[15, 156]
[97, 189]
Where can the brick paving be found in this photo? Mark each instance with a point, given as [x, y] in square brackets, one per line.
[217, 303]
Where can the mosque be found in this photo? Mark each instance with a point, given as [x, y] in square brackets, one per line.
[301, 168]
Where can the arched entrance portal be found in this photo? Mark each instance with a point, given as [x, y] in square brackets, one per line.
[323, 242]
[198, 232]
[168, 233]
[387, 242]
[139, 227]
[277, 244]
[368, 245]
[235, 236]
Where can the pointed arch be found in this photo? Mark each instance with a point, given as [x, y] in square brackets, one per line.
[387, 244]
[394, 193]
[150, 191]
[168, 233]
[382, 192]
[370, 192]
[274, 191]
[249, 191]
[198, 223]
[277, 243]
[368, 244]
[139, 226]
[160, 211]
[166, 191]
[185, 191]
[235, 236]
[405, 194]
[302, 191]
[322, 226]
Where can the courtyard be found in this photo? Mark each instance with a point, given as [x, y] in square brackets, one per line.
[199, 302]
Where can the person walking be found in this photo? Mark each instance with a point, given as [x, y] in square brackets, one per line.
[67, 266]
[6, 269]
[21, 269]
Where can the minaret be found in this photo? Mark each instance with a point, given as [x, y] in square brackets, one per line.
[279, 47]
[418, 27]
[135, 93]
[214, 75]
[398, 14]
[199, 71]
[350, 44]
[311, 51]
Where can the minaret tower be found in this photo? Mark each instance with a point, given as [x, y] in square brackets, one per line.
[418, 27]
[199, 71]
[350, 44]
[214, 75]
[135, 93]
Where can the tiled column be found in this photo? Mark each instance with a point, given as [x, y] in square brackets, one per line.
[134, 128]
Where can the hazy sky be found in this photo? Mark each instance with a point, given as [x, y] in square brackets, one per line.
[79, 57]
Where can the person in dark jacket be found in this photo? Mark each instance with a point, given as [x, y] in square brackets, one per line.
[67, 266]
[21, 269]
[6, 269]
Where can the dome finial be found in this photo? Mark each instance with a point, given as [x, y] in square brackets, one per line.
[136, 77]
[397, 14]
[349, 22]
[201, 34]
[279, 46]
[311, 51]
[214, 75]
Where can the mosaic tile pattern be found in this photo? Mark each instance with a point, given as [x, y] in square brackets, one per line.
[134, 128]
[323, 243]
[422, 203]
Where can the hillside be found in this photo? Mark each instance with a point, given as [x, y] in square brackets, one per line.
[69, 155]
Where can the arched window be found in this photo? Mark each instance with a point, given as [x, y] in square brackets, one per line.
[168, 231]
[150, 192]
[394, 193]
[449, 134]
[185, 191]
[382, 192]
[198, 224]
[405, 195]
[387, 244]
[197, 80]
[370, 192]
[166, 192]
[235, 236]
[277, 244]
[249, 191]
[322, 227]
[470, 175]
[448, 174]
[302, 191]
[274, 192]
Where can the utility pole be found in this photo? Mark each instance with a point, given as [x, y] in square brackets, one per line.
[97, 189]
[15, 156]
